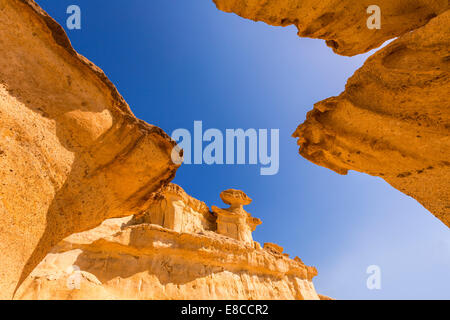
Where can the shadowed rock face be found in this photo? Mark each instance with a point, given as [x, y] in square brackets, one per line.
[393, 119]
[72, 154]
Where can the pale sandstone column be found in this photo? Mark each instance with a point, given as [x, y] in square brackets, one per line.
[235, 222]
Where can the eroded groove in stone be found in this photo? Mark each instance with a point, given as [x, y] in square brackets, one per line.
[71, 152]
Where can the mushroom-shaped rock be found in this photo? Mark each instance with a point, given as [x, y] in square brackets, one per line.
[235, 198]
[235, 222]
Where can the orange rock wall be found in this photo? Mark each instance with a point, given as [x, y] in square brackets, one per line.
[72, 154]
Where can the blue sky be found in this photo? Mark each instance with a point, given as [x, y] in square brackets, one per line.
[179, 61]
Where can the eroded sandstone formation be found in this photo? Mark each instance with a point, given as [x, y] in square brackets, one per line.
[342, 23]
[138, 258]
[72, 154]
[172, 208]
[235, 222]
[393, 119]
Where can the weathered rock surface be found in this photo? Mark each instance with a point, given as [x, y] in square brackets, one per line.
[393, 120]
[130, 258]
[72, 154]
[172, 208]
[342, 23]
[235, 222]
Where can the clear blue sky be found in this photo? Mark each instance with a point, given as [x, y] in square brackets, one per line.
[178, 61]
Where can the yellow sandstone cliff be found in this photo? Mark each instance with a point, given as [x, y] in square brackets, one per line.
[72, 154]
[173, 251]
[393, 119]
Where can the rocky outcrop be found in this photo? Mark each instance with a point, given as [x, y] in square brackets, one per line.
[342, 23]
[172, 208]
[134, 258]
[393, 120]
[235, 222]
[72, 154]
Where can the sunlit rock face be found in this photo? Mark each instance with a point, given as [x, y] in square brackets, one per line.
[393, 119]
[137, 258]
[172, 208]
[72, 154]
[235, 222]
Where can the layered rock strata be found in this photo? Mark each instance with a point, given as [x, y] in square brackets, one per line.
[393, 119]
[172, 208]
[135, 258]
[72, 154]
